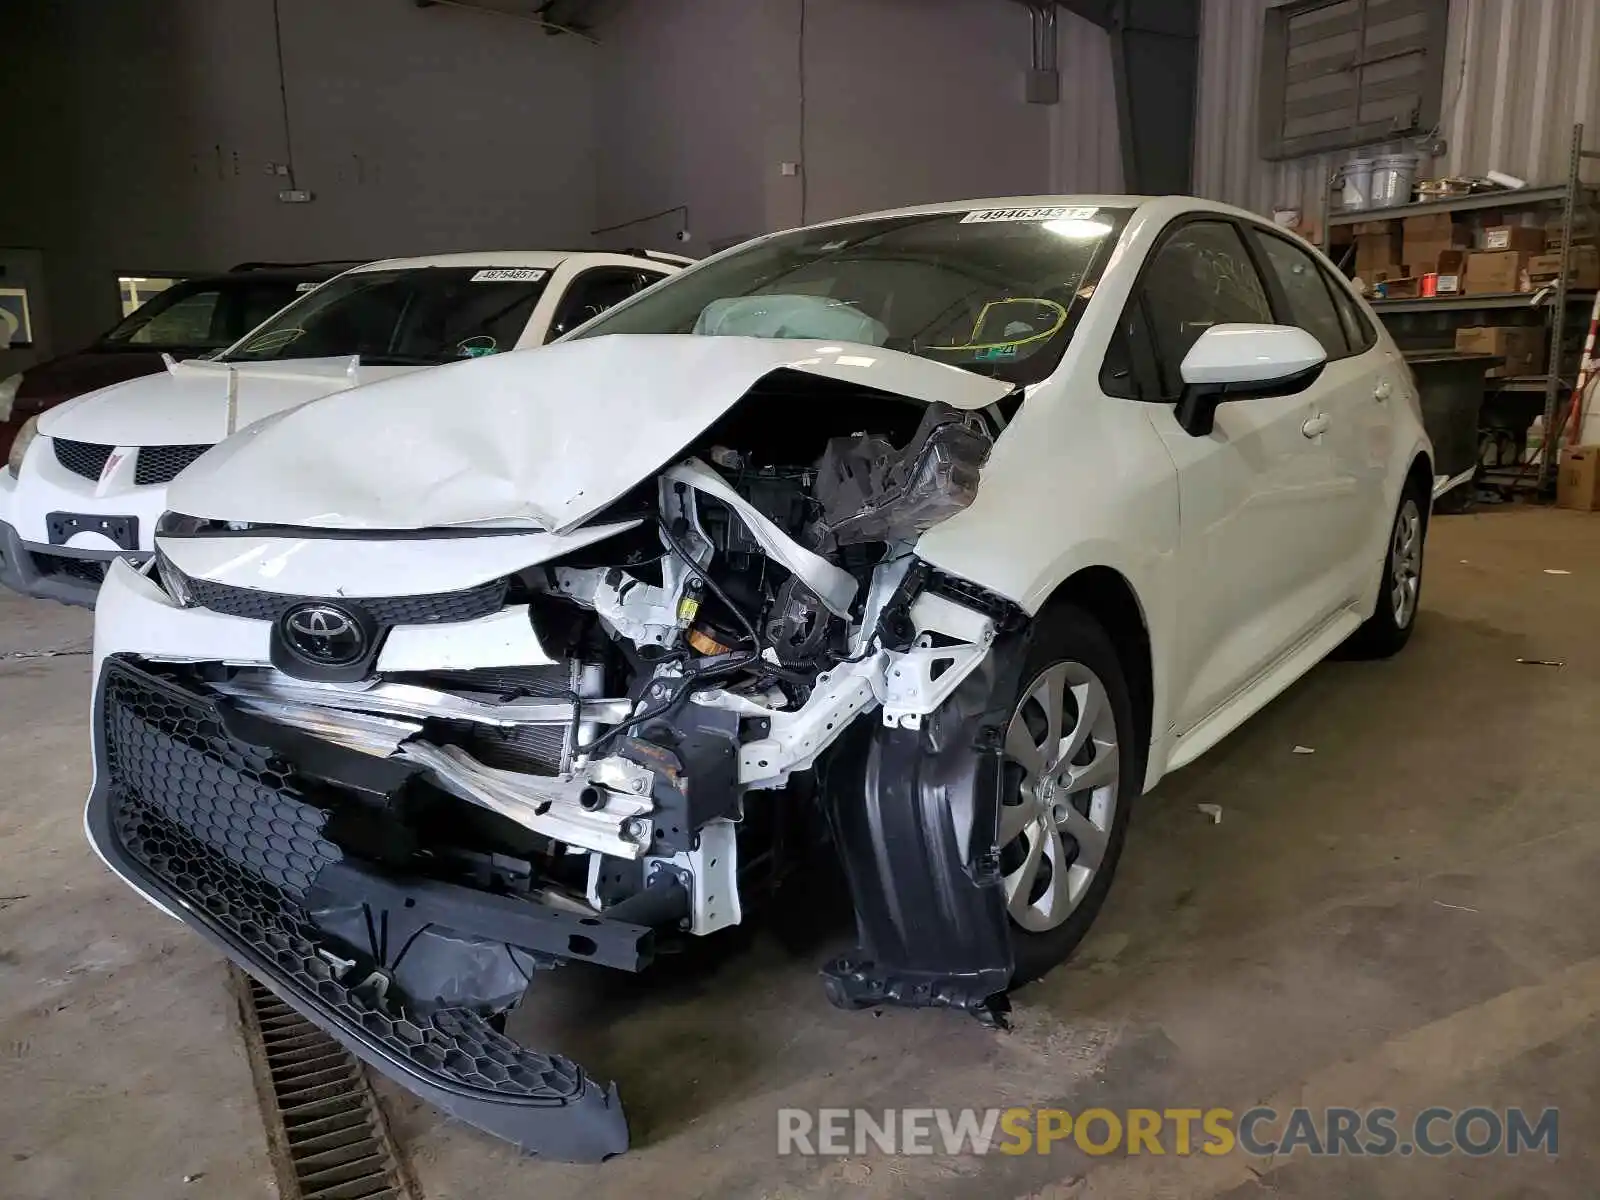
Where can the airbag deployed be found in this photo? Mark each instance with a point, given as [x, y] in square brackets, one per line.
[790, 317]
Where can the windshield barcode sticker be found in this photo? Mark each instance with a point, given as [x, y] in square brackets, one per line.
[508, 275]
[306, 285]
[1028, 214]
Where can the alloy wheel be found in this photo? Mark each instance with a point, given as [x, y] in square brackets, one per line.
[1405, 564]
[1061, 795]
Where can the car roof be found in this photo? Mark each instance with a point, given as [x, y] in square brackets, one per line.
[547, 259]
[1158, 206]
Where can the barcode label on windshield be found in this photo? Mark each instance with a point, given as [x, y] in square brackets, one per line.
[508, 275]
[1027, 214]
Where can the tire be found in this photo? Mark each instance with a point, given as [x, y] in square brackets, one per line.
[1389, 628]
[1069, 646]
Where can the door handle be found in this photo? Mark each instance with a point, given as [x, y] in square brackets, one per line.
[1382, 392]
[1315, 426]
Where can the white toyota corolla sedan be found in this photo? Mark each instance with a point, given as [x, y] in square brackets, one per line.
[928, 539]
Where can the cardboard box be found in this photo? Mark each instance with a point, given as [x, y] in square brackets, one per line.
[1578, 480]
[1425, 238]
[1520, 348]
[1445, 261]
[1367, 228]
[1528, 238]
[1406, 287]
[1376, 252]
[1582, 272]
[1492, 272]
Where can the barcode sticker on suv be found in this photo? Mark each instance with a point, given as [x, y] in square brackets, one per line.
[1027, 214]
[508, 275]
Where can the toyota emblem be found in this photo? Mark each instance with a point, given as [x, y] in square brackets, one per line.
[324, 635]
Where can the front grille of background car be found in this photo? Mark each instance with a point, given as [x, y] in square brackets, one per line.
[82, 458]
[161, 464]
[438, 608]
[87, 570]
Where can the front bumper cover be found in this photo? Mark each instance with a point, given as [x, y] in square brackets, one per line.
[219, 834]
[22, 572]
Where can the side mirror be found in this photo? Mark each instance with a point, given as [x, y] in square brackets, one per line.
[1238, 362]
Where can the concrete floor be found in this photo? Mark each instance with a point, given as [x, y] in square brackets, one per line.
[1404, 917]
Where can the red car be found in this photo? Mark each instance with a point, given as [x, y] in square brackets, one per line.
[187, 320]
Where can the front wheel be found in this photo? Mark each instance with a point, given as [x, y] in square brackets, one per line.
[1400, 592]
[1072, 770]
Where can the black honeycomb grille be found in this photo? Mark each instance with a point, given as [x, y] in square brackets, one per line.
[172, 754]
[82, 458]
[198, 814]
[86, 570]
[161, 464]
[435, 609]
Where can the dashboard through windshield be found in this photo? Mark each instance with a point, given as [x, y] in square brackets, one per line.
[421, 316]
[997, 291]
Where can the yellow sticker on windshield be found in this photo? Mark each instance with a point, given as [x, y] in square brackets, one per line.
[1003, 325]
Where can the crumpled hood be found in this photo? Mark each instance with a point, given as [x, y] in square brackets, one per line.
[187, 404]
[545, 437]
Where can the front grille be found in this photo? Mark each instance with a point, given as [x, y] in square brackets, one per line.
[89, 570]
[192, 793]
[435, 609]
[82, 458]
[161, 464]
[223, 826]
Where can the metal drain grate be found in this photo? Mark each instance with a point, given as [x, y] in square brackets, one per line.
[325, 1131]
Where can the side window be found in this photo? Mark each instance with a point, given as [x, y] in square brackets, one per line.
[591, 294]
[1129, 370]
[187, 323]
[1306, 291]
[1358, 329]
[1200, 276]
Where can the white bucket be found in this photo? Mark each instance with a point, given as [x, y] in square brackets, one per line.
[1392, 177]
[1357, 185]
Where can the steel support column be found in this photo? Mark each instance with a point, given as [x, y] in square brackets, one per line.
[1155, 62]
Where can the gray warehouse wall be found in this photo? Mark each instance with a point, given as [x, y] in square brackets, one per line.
[905, 101]
[138, 134]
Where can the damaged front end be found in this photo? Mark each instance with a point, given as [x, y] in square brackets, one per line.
[397, 809]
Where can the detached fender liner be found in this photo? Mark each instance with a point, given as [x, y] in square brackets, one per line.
[914, 814]
[217, 833]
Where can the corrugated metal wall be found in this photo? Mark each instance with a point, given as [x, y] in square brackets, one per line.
[1085, 149]
[1518, 74]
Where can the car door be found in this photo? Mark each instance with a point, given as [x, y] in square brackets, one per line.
[1353, 395]
[1251, 557]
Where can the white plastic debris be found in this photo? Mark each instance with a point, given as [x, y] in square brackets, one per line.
[1304, 750]
[1556, 571]
[1214, 811]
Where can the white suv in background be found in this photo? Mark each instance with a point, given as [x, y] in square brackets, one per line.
[86, 481]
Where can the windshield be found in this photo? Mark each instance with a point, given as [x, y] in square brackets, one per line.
[420, 316]
[200, 316]
[997, 291]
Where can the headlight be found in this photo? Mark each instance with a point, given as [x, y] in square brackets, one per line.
[19, 447]
[178, 524]
[173, 580]
[8, 394]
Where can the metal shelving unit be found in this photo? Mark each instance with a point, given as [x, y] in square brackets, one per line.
[1556, 299]
[1521, 197]
[1499, 300]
